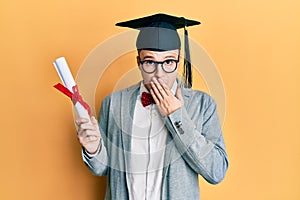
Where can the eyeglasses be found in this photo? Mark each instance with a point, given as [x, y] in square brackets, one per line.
[150, 66]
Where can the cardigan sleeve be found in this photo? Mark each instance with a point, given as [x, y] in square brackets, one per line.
[98, 162]
[198, 138]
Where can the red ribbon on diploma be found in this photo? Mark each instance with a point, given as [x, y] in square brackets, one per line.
[75, 96]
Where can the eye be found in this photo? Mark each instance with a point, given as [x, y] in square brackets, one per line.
[169, 62]
[149, 62]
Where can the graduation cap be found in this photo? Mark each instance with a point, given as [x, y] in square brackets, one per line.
[159, 33]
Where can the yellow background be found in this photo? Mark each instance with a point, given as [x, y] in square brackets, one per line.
[255, 45]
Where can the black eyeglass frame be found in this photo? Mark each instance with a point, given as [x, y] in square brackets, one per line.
[156, 63]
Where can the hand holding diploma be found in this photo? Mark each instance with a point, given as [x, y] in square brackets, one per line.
[88, 134]
[88, 129]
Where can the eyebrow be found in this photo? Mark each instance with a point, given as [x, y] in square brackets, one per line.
[152, 57]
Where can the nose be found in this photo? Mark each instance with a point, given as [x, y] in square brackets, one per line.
[159, 71]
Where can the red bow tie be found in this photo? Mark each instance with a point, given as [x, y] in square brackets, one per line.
[147, 99]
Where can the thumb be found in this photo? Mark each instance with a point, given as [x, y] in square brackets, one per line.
[179, 94]
[93, 120]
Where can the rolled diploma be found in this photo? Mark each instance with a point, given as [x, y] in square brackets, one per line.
[66, 77]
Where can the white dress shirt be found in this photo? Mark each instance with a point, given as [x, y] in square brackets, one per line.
[149, 136]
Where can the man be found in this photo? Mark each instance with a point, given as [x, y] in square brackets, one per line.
[156, 150]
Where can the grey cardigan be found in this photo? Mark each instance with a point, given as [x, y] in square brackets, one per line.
[195, 145]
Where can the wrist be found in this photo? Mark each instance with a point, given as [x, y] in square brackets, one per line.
[92, 152]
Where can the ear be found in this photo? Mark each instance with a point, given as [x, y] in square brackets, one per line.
[179, 57]
[138, 61]
[179, 62]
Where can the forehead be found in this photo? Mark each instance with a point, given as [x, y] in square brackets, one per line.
[159, 54]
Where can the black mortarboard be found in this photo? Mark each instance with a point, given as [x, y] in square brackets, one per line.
[158, 33]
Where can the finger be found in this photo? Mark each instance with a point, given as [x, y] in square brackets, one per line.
[156, 100]
[89, 133]
[80, 132]
[93, 119]
[159, 87]
[79, 121]
[88, 126]
[179, 93]
[165, 87]
[86, 140]
[156, 92]
[92, 138]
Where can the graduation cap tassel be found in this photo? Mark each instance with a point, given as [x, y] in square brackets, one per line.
[187, 72]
